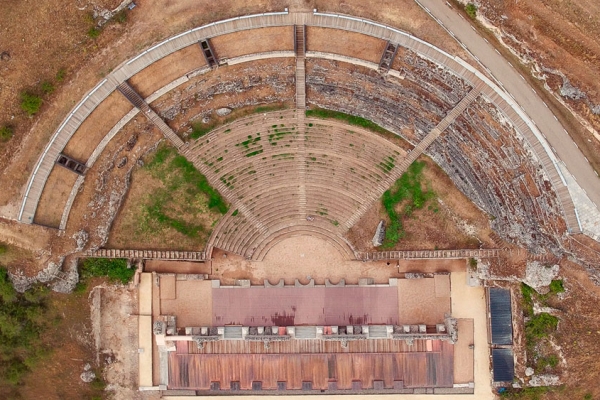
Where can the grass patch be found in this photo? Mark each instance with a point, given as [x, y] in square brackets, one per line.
[540, 326]
[350, 119]
[3, 248]
[473, 264]
[60, 75]
[6, 132]
[178, 204]
[471, 10]
[94, 32]
[114, 269]
[408, 194]
[527, 292]
[528, 393]
[557, 286]
[543, 363]
[30, 103]
[199, 129]
[48, 87]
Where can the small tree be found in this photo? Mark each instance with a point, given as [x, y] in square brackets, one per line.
[471, 10]
[30, 103]
[6, 132]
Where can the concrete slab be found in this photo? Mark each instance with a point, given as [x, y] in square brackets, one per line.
[469, 303]
[418, 303]
[463, 355]
[167, 287]
[442, 285]
[145, 350]
[145, 294]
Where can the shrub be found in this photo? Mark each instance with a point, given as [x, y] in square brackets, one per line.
[541, 325]
[60, 75]
[473, 263]
[6, 132]
[30, 103]
[94, 32]
[47, 87]
[120, 17]
[471, 10]
[115, 269]
[556, 286]
[527, 292]
[198, 130]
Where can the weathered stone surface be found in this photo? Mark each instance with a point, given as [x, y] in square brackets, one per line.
[544, 380]
[538, 275]
[223, 111]
[379, 234]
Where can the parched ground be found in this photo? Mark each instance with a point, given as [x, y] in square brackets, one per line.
[559, 42]
[447, 221]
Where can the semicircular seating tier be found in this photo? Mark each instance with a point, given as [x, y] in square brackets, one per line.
[287, 175]
[438, 103]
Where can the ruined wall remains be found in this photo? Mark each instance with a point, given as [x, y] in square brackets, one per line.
[481, 152]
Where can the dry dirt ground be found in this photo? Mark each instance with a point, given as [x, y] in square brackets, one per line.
[559, 40]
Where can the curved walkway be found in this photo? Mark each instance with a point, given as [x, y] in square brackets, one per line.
[126, 70]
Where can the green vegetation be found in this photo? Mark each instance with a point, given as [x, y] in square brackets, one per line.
[22, 318]
[550, 361]
[199, 130]
[120, 17]
[473, 264]
[47, 87]
[350, 119]
[186, 192]
[387, 164]
[540, 325]
[94, 32]
[527, 292]
[114, 269]
[60, 75]
[408, 192]
[528, 393]
[556, 286]
[471, 10]
[6, 132]
[30, 103]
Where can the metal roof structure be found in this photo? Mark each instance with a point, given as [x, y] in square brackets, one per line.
[504, 365]
[500, 316]
[285, 306]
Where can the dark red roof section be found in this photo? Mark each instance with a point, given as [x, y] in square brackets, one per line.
[408, 369]
[287, 306]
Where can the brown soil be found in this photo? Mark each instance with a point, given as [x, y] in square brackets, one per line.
[100, 196]
[177, 267]
[255, 41]
[301, 258]
[96, 126]
[449, 221]
[167, 70]
[345, 43]
[559, 36]
[54, 197]
[70, 337]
